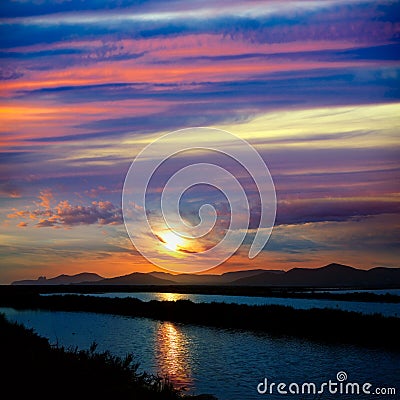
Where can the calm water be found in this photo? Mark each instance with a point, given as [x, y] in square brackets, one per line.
[375, 291]
[228, 364]
[388, 309]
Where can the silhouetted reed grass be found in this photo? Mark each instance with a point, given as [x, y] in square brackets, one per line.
[32, 368]
[326, 325]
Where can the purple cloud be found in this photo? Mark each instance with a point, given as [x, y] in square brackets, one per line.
[65, 214]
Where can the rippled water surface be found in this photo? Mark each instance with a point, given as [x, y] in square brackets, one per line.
[226, 363]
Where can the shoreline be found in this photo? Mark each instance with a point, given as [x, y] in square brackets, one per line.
[28, 359]
[321, 325]
[359, 294]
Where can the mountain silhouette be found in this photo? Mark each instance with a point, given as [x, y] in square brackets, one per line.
[62, 279]
[209, 279]
[330, 276]
[136, 278]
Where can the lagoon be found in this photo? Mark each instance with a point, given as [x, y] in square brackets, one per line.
[226, 363]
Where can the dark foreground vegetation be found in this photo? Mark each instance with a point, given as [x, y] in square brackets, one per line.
[252, 291]
[326, 325]
[31, 368]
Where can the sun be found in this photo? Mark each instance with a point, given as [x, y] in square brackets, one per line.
[172, 241]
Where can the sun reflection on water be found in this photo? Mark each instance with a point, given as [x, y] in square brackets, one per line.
[173, 354]
[171, 296]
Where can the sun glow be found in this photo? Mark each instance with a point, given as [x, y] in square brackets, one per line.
[172, 241]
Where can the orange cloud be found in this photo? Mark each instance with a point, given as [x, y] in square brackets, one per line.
[132, 71]
[46, 197]
[46, 119]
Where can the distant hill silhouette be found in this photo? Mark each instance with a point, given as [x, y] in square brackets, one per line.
[136, 278]
[63, 279]
[332, 275]
[208, 279]
[329, 276]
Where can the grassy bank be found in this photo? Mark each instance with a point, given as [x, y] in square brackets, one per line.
[34, 369]
[252, 291]
[326, 325]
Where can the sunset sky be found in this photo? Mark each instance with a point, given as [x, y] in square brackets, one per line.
[85, 85]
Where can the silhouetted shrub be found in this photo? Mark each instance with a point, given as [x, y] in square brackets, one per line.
[31, 368]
